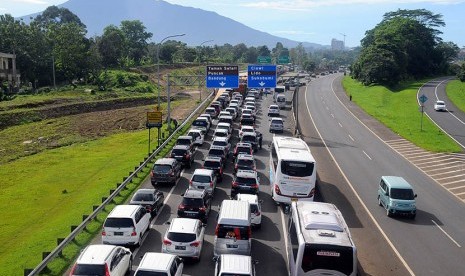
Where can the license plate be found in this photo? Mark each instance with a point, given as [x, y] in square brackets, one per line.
[118, 233]
[200, 187]
[231, 246]
[180, 247]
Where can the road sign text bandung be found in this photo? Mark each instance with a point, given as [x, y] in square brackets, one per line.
[222, 76]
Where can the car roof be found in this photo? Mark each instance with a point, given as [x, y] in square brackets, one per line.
[277, 119]
[194, 193]
[245, 156]
[95, 254]
[246, 173]
[183, 225]
[243, 144]
[222, 139]
[145, 191]
[204, 171]
[185, 137]
[156, 262]
[123, 211]
[396, 182]
[223, 123]
[247, 197]
[274, 106]
[195, 130]
[217, 147]
[184, 147]
[221, 130]
[165, 161]
[213, 158]
[248, 127]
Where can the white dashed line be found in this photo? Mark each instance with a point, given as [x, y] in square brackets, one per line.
[445, 233]
[367, 155]
[351, 138]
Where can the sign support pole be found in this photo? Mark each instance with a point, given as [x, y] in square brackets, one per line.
[149, 140]
[421, 120]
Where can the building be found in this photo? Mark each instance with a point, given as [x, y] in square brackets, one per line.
[8, 70]
[337, 45]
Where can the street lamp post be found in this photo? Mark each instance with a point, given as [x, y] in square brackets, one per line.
[158, 65]
[199, 56]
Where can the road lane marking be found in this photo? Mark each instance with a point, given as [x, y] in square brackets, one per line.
[456, 188]
[452, 182]
[351, 138]
[450, 177]
[367, 155]
[340, 124]
[445, 233]
[445, 167]
[402, 260]
[332, 115]
[454, 171]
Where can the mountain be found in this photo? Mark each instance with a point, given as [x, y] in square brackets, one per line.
[163, 19]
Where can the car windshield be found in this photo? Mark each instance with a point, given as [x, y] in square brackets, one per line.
[402, 194]
[178, 152]
[216, 152]
[212, 164]
[243, 149]
[201, 178]
[182, 141]
[150, 273]
[143, 197]
[245, 162]
[248, 138]
[245, 180]
[220, 143]
[181, 237]
[89, 269]
[162, 168]
[277, 122]
[119, 223]
[221, 134]
[192, 202]
[201, 123]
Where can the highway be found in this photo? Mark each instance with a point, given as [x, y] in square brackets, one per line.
[453, 120]
[432, 244]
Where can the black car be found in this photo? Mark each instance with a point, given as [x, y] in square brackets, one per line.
[165, 170]
[247, 121]
[184, 154]
[195, 204]
[251, 138]
[151, 199]
[186, 140]
[215, 164]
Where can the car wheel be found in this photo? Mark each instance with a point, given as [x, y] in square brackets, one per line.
[379, 201]
[259, 226]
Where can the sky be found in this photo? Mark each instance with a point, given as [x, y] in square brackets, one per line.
[316, 21]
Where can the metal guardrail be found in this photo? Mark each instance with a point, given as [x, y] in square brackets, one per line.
[110, 198]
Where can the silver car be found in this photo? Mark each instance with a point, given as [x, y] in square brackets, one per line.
[184, 238]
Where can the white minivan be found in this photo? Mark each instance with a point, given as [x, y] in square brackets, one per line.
[281, 100]
[125, 225]
[230, 264]
[160, 264]
[233, 233]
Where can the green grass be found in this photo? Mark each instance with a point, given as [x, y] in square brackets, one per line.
[398, 110]
[44, 194]
[455, 90]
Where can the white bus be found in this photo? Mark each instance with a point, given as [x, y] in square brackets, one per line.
[318, 241]
[280, 89]
[292, 170]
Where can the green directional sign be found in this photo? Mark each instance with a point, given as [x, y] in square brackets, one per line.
[264, 59]
[283, 60]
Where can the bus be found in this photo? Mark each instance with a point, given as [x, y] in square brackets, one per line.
[279, 89]
[292, 170]
[318, 241]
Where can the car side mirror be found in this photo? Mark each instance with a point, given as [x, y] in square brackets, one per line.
[215, 258]
[415, 195]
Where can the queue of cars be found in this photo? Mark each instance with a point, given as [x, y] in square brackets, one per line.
[127, 224]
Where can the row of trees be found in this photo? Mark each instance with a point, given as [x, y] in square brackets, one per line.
[405, 45]
[56, 41]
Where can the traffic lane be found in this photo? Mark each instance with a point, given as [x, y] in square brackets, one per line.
[332, 187]
[405, 234]
[269, 239]
[451, 121]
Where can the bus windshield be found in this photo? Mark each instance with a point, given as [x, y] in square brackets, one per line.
[328, 257]
[297, 169]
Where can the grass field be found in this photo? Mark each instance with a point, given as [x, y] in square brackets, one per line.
[455, 90]
[398, 110]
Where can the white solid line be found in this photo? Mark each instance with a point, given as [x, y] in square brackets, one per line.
[449, 163]
[367, 155]
[454, 171]
[460, 194]
[445, 167]
[283, 224]
[456, 243]
[456, 188]
[351, 138]
[459, 175]
[415, 154]
[404, 145]
[413, 150]
[453, 182]
[340, 124]
[402, 260]
[332, 115]
[396, 141]
[436, 159]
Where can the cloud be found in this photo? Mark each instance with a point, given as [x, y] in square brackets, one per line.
[306, 5]
[35, 2]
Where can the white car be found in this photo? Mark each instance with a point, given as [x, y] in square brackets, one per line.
[245, 129]
[440, 106]
[221, 132]
[160, 264]
[222, 142]
[273, 110]
[100, 259]
[225, 125]
[197, 135]
[277, 125]
[184, 238]
[255, 208]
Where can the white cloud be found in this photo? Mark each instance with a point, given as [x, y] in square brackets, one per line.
[305, 5]
[35, 2]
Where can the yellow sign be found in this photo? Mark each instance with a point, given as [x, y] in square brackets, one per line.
[154, 119]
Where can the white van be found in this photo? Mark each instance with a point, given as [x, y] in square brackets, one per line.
[230, 264]
[255, 208]
[281, 100]
[233, 234]
[125, 225]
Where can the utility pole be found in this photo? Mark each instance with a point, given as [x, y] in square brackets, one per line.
[199, 59]
[343, 48]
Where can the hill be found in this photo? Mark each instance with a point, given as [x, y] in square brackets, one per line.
[164, 19]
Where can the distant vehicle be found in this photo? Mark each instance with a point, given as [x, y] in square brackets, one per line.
[195, 204]
[319, 241]
[245, 148]
[440, 106]
[160, 264]
[280, 89]
[185, 140]
[151, 199]
[165, 170]
[197, 135]
[292, 170]
[255, 208]
[273, 110]
[245, 162]
[183, 154]
[277, 125]
[396, 195]
[216, 164]
[245, 182]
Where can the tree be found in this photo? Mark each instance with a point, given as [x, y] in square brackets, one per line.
[111, 46]
[263, 51]
[56, 15]
[461, 74]
[238, 51]
[135, 39]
